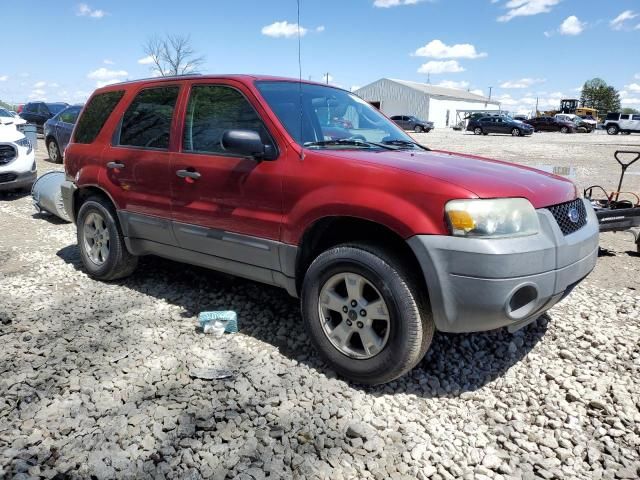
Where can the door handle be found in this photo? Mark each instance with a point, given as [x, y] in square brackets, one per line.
[115, 165]
[188, 174]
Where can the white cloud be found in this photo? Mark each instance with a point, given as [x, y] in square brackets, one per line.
[54, 85]
[477, 91]
[355, 87]
[394, 3]
[618, 23]
[105, 74]
[627, 99]
[572, 26]
[4, 78]
[104, 83]
[106, 61]
[320, 29]
[40, 84]
[438, 49]
[283, 29]
[637, 76]
[524, 8]
[85, 10]
[448, 66]
[521, 83]
[634, 87]
[148, 60]
[462, 85]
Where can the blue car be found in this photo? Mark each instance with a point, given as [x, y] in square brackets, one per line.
[57, 131]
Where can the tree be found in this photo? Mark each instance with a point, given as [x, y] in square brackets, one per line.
[629, 110]
[172, 55]
[597, 94]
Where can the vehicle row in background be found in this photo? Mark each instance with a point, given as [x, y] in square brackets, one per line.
[408, 122]
[8, 117]
[38, 113]
[552, 124]
[499, 124]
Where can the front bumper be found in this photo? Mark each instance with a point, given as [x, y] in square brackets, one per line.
[481, 284]
[21, 180]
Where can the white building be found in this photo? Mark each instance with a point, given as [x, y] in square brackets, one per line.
[425, 101]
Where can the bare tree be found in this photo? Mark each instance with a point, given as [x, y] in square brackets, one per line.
[172, 55]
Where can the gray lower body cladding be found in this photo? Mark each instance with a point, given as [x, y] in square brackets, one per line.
[17, 180]
[482, 284]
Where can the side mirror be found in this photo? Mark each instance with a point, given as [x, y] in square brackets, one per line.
[247, 143]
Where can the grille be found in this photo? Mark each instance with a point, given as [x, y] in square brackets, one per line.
[7, 177]
[7, 154]
[561, 213]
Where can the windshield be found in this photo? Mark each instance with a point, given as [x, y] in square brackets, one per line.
[325, 117]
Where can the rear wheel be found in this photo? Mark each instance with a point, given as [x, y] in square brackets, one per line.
[364, 314]
[54, 151]
[477, 131]
[515, 132]
[626, 132]
[564, 130]
[102, 249]
[612, 130]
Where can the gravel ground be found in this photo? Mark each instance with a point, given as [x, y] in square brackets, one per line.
[96, 379]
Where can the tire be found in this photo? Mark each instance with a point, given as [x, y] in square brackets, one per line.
[54, 151]
[418, 129]
[427, 130]
[477, 131]
[515, 132]
[409, 325]
[117, 262]
[612, 130]
[564, 130]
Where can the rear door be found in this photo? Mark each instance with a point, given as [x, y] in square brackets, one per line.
[138, 162]
[64, 126]
[224, 204]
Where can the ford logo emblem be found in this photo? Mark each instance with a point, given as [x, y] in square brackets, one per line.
[573, 215]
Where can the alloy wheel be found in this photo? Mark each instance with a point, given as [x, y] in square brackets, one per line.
[354, 315]
[96, 238]
[53, 151]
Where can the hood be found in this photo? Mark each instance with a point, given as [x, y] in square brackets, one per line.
[483, 177]
[8, 133]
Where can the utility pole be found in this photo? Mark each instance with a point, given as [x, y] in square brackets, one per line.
[326, 76]
[429, 78]
[490, 90]
[536, 107]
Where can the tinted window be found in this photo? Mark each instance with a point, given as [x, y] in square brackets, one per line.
[636, 117]
[147, 121]
[212, 110]
[612, 116]
[625, 117]
[42, 109]
[31, 107]
[69, 115]
[396, 117]
[95, 115]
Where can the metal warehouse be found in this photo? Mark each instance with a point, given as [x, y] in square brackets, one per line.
[425, 101]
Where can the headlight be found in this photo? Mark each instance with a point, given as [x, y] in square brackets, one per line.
[24, 142]
[502, 217]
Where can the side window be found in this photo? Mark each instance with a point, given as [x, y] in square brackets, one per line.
[31, 108]
[95, 115]
[636, 117]
[147, 121]
[70, 115]
[625, 117]
[42, 109]
[214, 109]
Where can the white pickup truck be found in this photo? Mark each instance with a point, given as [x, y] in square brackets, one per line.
[625, 123]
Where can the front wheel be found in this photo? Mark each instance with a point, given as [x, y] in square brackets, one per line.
[364, 314]
[612, 130]
[54, 151]
[564, 130]
[477, 131]
[515, 132]
[102, 249]
[418, 129]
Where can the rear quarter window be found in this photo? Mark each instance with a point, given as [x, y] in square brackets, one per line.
[95, 115]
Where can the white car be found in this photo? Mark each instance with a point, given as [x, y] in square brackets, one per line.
[17, 160]
[10, 118]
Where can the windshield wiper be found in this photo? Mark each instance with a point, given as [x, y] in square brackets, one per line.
[348, 142]
[406, 143]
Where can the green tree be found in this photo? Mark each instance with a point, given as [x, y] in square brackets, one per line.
[629, 110]
[597, 94]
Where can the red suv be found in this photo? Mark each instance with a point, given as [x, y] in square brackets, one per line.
[308, 187]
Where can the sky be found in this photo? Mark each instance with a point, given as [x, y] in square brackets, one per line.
[523, 49]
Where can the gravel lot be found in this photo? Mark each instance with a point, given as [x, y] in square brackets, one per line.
[95, 378]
